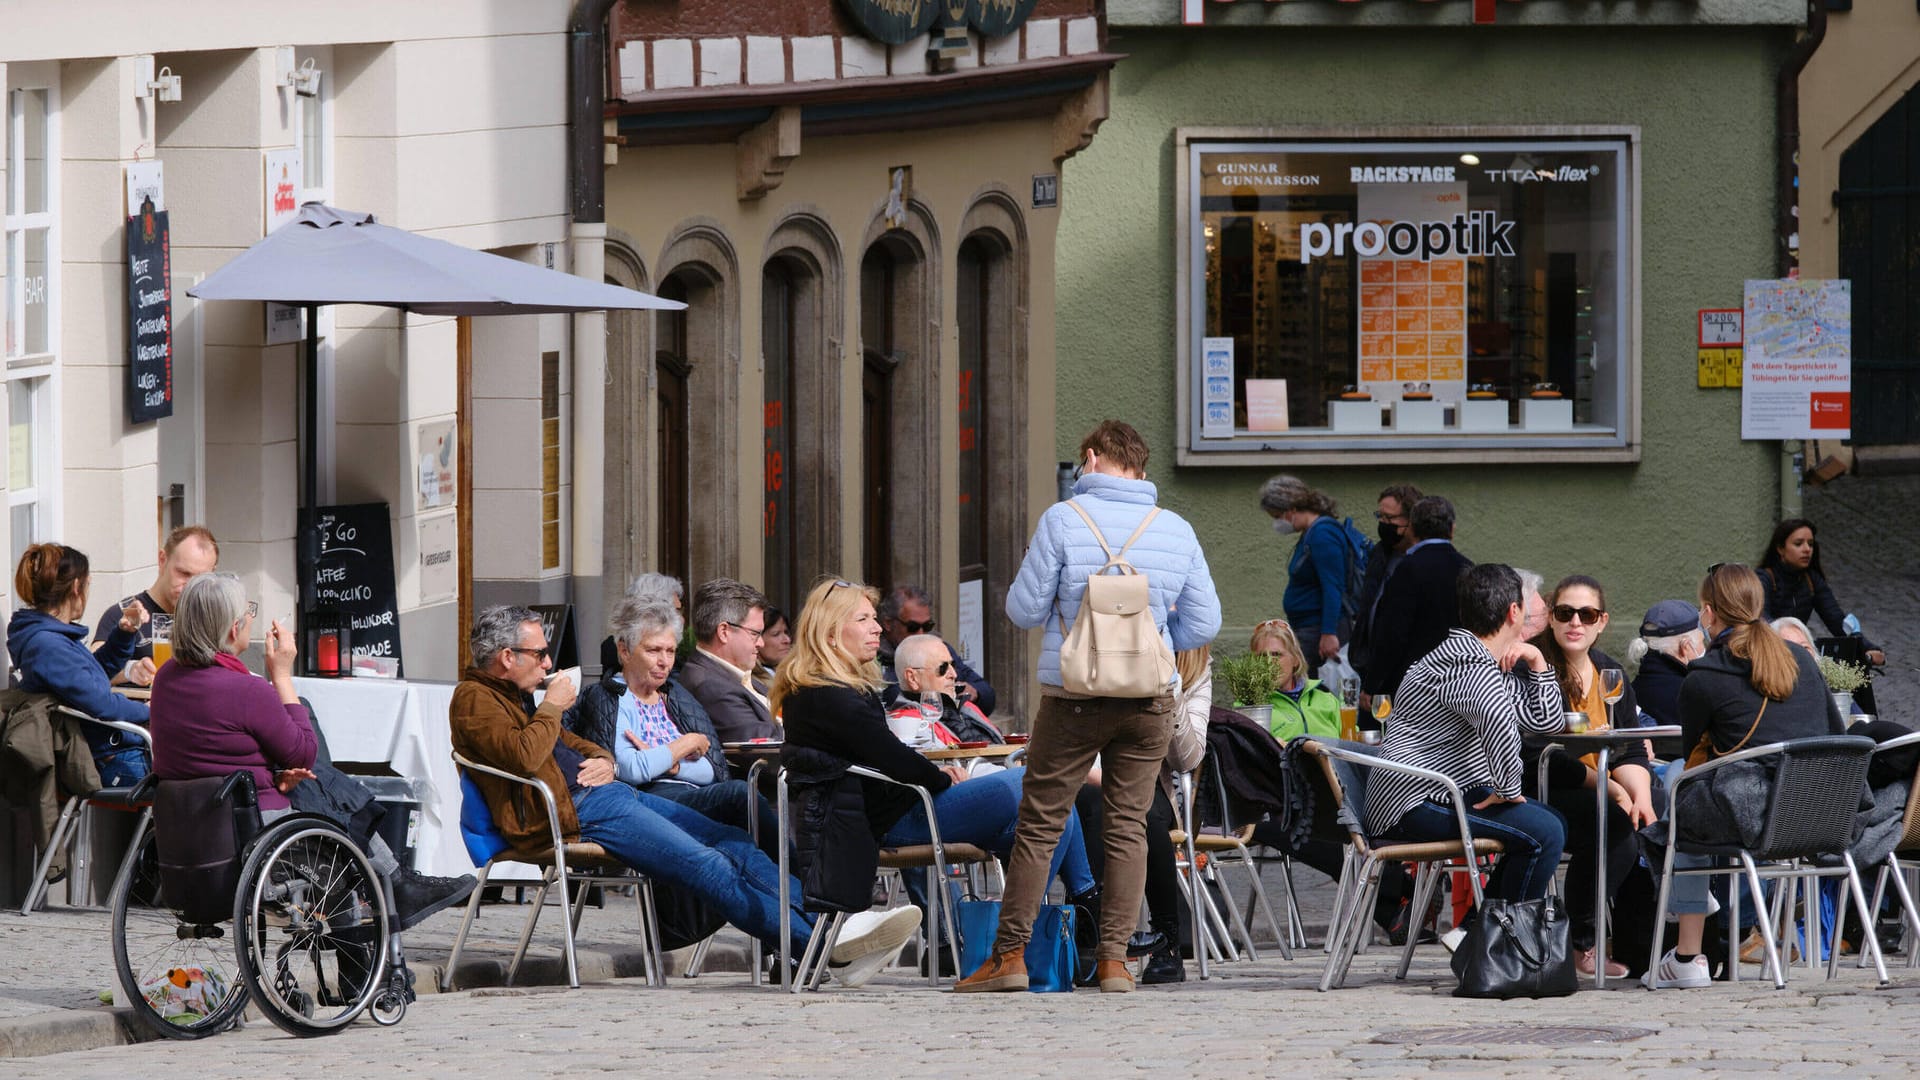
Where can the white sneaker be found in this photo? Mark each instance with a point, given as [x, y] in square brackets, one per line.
[1452, 939]
[866, 933]
[1671, 974]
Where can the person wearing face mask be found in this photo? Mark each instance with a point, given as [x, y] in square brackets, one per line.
[1669, 640]
[1316, 600]
[1393, 523]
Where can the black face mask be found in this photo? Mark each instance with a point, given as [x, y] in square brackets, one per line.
[1389, 533]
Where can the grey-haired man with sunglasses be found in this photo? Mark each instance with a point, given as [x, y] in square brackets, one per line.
[906, 611]
[926, 663]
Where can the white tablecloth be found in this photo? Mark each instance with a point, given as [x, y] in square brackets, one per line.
[402, 724]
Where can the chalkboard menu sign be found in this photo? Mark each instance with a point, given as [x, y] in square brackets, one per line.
[562, 643]
[150, 312]
[355, 574]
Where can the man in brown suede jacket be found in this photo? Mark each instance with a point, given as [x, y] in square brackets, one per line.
[495, 722]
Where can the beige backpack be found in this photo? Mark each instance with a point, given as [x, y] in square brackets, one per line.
[1114, 649]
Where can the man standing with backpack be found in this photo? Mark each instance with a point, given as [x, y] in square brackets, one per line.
[1106, 683]
[1326, 574]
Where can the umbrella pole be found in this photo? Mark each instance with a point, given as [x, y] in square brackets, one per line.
[309, 542]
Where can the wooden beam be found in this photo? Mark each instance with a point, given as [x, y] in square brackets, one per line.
[463, 473]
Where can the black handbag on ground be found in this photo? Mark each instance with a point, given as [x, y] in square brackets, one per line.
[1517, 949]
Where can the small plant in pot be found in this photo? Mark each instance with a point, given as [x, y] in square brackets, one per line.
[1842, 680]
[1249, 680]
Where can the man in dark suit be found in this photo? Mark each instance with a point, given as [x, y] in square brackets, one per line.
[1418, 604]
[729, 619]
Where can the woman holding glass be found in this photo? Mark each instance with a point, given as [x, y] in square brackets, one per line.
[1596, 691]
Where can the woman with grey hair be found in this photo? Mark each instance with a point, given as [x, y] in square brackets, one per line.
[649, 588]
[663, 742]
[1316, 596]
[213, 717]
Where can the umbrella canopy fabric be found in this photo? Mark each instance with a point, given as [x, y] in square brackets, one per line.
[330, 256]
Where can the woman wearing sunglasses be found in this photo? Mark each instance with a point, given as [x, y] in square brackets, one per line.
[1576, 617]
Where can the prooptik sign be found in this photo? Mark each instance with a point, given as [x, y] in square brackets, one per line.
[1480, 232]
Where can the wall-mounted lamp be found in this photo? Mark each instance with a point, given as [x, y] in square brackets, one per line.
[149, 86]
[303, 79]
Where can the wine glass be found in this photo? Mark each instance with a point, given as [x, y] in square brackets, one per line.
[1382, 708]
[1613, 683]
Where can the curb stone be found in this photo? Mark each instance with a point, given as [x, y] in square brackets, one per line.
[68, 1030]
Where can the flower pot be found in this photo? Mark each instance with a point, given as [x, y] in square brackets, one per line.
[1844, 702]
[1259, 714]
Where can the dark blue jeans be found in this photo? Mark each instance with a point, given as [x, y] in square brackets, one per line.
[726, 803]
[1533, 832]
[681, 846]
[983, 811]
[122, 767]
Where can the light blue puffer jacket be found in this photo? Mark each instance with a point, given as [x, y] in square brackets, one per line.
[1062, 554]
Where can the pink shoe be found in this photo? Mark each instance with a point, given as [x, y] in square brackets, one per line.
[1583, 963]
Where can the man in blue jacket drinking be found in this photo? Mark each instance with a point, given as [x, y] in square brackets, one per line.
[1128, 735]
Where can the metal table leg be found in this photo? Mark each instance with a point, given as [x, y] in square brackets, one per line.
[1600, 875]
[753, 830]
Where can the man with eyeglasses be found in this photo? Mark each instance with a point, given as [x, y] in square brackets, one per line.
[729, 619]
[907, 610]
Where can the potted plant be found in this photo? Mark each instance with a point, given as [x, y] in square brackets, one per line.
[1249, 680]
[1842, 680]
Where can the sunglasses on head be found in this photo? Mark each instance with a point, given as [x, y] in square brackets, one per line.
[1566, 613]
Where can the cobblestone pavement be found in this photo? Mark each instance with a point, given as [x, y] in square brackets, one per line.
[1252, 1019]
[1869, 540]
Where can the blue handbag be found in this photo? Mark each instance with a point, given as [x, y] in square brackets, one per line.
[1051, 953]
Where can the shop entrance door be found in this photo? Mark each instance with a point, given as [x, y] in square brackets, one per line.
[1879, 205]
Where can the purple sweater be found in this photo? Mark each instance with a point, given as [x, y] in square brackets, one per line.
[210, 721]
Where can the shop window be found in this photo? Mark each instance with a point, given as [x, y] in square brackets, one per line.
[550, 461]
[779, 333]
[672, 412]
[31, 284]
[29, 211]
[1459, 294]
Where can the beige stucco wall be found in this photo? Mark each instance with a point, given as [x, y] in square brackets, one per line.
[1869, 59]
[448, 118]
[843, 180]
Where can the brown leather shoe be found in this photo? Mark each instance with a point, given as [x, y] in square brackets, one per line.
[1003, 971]
[1113, 976]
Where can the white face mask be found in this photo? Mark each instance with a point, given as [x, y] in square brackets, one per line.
[1282, 526]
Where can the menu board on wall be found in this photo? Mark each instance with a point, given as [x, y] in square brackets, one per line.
[1413, 309]
[150, 315]
[354, 574]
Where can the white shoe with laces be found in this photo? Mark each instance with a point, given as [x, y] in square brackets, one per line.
[1671, 974]
[869, 940]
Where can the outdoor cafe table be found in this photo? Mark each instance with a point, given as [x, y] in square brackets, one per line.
[1600, 742]
[969, 753]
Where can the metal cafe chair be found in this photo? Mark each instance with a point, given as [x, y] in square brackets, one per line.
[74, 826]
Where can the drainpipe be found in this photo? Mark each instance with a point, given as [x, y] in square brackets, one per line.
[1787, 193]
[587, 192]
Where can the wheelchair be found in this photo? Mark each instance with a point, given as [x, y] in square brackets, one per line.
[311, 945]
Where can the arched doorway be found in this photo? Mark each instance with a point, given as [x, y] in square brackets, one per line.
[800, 351]
[900, 437]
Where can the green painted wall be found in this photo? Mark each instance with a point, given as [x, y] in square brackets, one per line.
[1703, 100]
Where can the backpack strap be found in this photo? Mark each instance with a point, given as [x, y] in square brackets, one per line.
[1112, 556]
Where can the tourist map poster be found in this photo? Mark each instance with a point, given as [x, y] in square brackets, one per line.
[1799, 360]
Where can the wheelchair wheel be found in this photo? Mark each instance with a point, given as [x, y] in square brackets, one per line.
[313, 933]
[179, 978]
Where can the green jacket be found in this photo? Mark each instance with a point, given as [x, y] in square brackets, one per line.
[1317, 712]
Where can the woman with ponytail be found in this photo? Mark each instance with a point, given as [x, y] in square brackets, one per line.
[48, 645]
[1751, 688]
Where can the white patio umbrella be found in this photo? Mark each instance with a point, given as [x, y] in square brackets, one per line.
[332, 256]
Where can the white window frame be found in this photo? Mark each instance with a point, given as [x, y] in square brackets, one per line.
[1621, 444]
[42, 367]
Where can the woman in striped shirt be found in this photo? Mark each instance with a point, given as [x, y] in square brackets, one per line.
[1457, 713]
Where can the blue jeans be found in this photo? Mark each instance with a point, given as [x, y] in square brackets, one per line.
[1533, 832]
[726, 803]
[681, 846]
[122, 767]
[984, 812]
